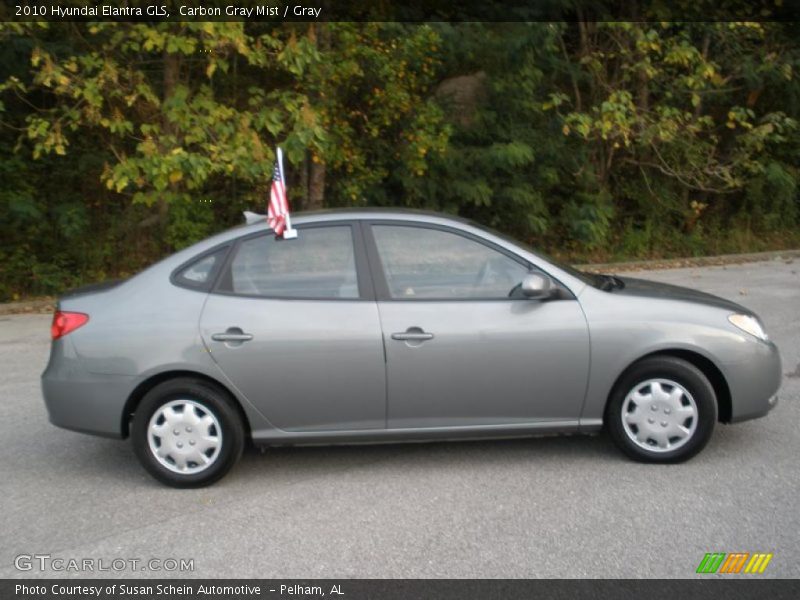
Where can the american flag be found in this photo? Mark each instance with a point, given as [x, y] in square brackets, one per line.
[278, 209]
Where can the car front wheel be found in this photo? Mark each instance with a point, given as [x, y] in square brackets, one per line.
[187, 433]
[662, 410]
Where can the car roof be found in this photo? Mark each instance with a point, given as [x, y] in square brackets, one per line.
[255, 222]
[378, 212]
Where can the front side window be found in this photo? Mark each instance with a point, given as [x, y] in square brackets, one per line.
[320, 263]
[422, 263]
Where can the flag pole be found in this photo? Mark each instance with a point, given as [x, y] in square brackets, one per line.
[289, 233]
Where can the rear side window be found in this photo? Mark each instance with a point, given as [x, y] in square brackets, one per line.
[200, 273]
[320, 263]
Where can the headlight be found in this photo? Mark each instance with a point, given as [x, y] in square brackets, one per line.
[749, 324]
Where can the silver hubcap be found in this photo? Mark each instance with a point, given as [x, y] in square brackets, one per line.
[185, 436]
[659, 415]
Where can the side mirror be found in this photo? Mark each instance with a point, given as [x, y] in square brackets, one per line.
[537, 286]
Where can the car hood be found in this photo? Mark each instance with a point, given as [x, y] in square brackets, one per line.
[665, 291]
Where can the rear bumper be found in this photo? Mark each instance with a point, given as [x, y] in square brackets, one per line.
[83, 401]
[754, 382]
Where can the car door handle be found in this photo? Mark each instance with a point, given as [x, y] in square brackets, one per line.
[414, 334]
[234, 334]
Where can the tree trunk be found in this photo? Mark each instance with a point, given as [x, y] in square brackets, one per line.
[172, 66]
[706, 43]
[315, 200]
[303, 181]
[316, 186]
[585, 33]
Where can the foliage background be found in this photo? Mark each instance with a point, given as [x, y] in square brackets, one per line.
[121, 142]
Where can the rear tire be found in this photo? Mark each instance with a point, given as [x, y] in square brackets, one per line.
[662, 410]
[187, 433]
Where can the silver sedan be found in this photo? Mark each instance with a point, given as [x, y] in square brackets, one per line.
[394, 326]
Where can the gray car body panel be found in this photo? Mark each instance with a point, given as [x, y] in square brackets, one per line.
[628, 326]
[313, 365]
[490, 363]
[348, 382]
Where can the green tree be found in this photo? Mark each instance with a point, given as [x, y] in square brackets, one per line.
[592, 139]
[671, 117]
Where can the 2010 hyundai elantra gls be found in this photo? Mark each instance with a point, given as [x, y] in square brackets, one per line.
[394, 326]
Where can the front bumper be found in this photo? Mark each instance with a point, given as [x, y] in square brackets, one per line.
[754, 381]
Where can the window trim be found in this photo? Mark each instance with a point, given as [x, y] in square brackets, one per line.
[366, 291]
[176, 279]
[377, 269]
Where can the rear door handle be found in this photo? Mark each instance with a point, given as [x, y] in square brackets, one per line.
[412, 334]
[233, 334]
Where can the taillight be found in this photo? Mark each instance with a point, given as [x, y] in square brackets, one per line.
[66, 322]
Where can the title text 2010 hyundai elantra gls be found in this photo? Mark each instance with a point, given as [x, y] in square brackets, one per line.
[394, 326]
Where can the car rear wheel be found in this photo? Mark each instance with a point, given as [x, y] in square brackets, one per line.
[662, 410]
[187, 433]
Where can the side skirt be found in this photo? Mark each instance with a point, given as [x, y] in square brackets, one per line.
[278, 437]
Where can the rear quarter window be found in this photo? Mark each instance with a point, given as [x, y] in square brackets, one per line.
[200, 273]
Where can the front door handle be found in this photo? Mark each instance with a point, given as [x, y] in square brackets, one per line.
[412, 334]
[233, 334]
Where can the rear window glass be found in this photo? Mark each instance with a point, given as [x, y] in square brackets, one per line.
[320, 263]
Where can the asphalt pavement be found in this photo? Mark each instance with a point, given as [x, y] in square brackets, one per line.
[547, 507]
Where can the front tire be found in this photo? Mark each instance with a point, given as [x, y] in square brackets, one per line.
[187, 433]
[662, 410]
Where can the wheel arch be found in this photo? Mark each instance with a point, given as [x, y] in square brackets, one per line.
[708, 368]
[135, 397]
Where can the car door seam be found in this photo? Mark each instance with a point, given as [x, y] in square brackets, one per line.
[385, 369]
